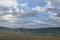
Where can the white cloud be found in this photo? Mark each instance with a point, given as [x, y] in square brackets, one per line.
[44, 8]
[24, 4]
[8, 17]
[15, 17]
[39, 9]
[22, 11]
[56, 3]
[38, 21]
[8, 3]
[54, 16]
[1, 12]
[49, 5]
[42, 22]
[9, 11]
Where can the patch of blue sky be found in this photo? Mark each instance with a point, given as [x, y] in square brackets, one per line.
[31, 4]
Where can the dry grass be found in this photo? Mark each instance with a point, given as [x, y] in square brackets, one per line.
[13, 36]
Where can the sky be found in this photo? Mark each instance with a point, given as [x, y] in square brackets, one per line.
[29, 13]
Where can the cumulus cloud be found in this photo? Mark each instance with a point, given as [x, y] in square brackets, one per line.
[13, 17]
[44, 8]
[24, 4]
[9, 3]
[43, 22]
[8, 17]
[53, 9]
[53, 6]
[39, 9]
[56, 3]
[55, 12]
[38, 24]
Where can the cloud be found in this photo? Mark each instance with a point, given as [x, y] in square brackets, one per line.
[38, 24]
[39, 9]
[52, 7]
[9, 3]
[10, 14]
[24, 4]
[44, 8]
[13, 17]
[43, 22]
[54, 13]
[56, 3]
[29, 14]
[8, 17]
[49, 5]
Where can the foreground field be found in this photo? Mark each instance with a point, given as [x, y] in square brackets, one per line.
[13, 36]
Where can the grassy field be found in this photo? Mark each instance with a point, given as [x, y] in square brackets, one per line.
[13, 36]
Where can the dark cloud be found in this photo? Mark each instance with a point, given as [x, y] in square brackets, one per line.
[55, 10]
